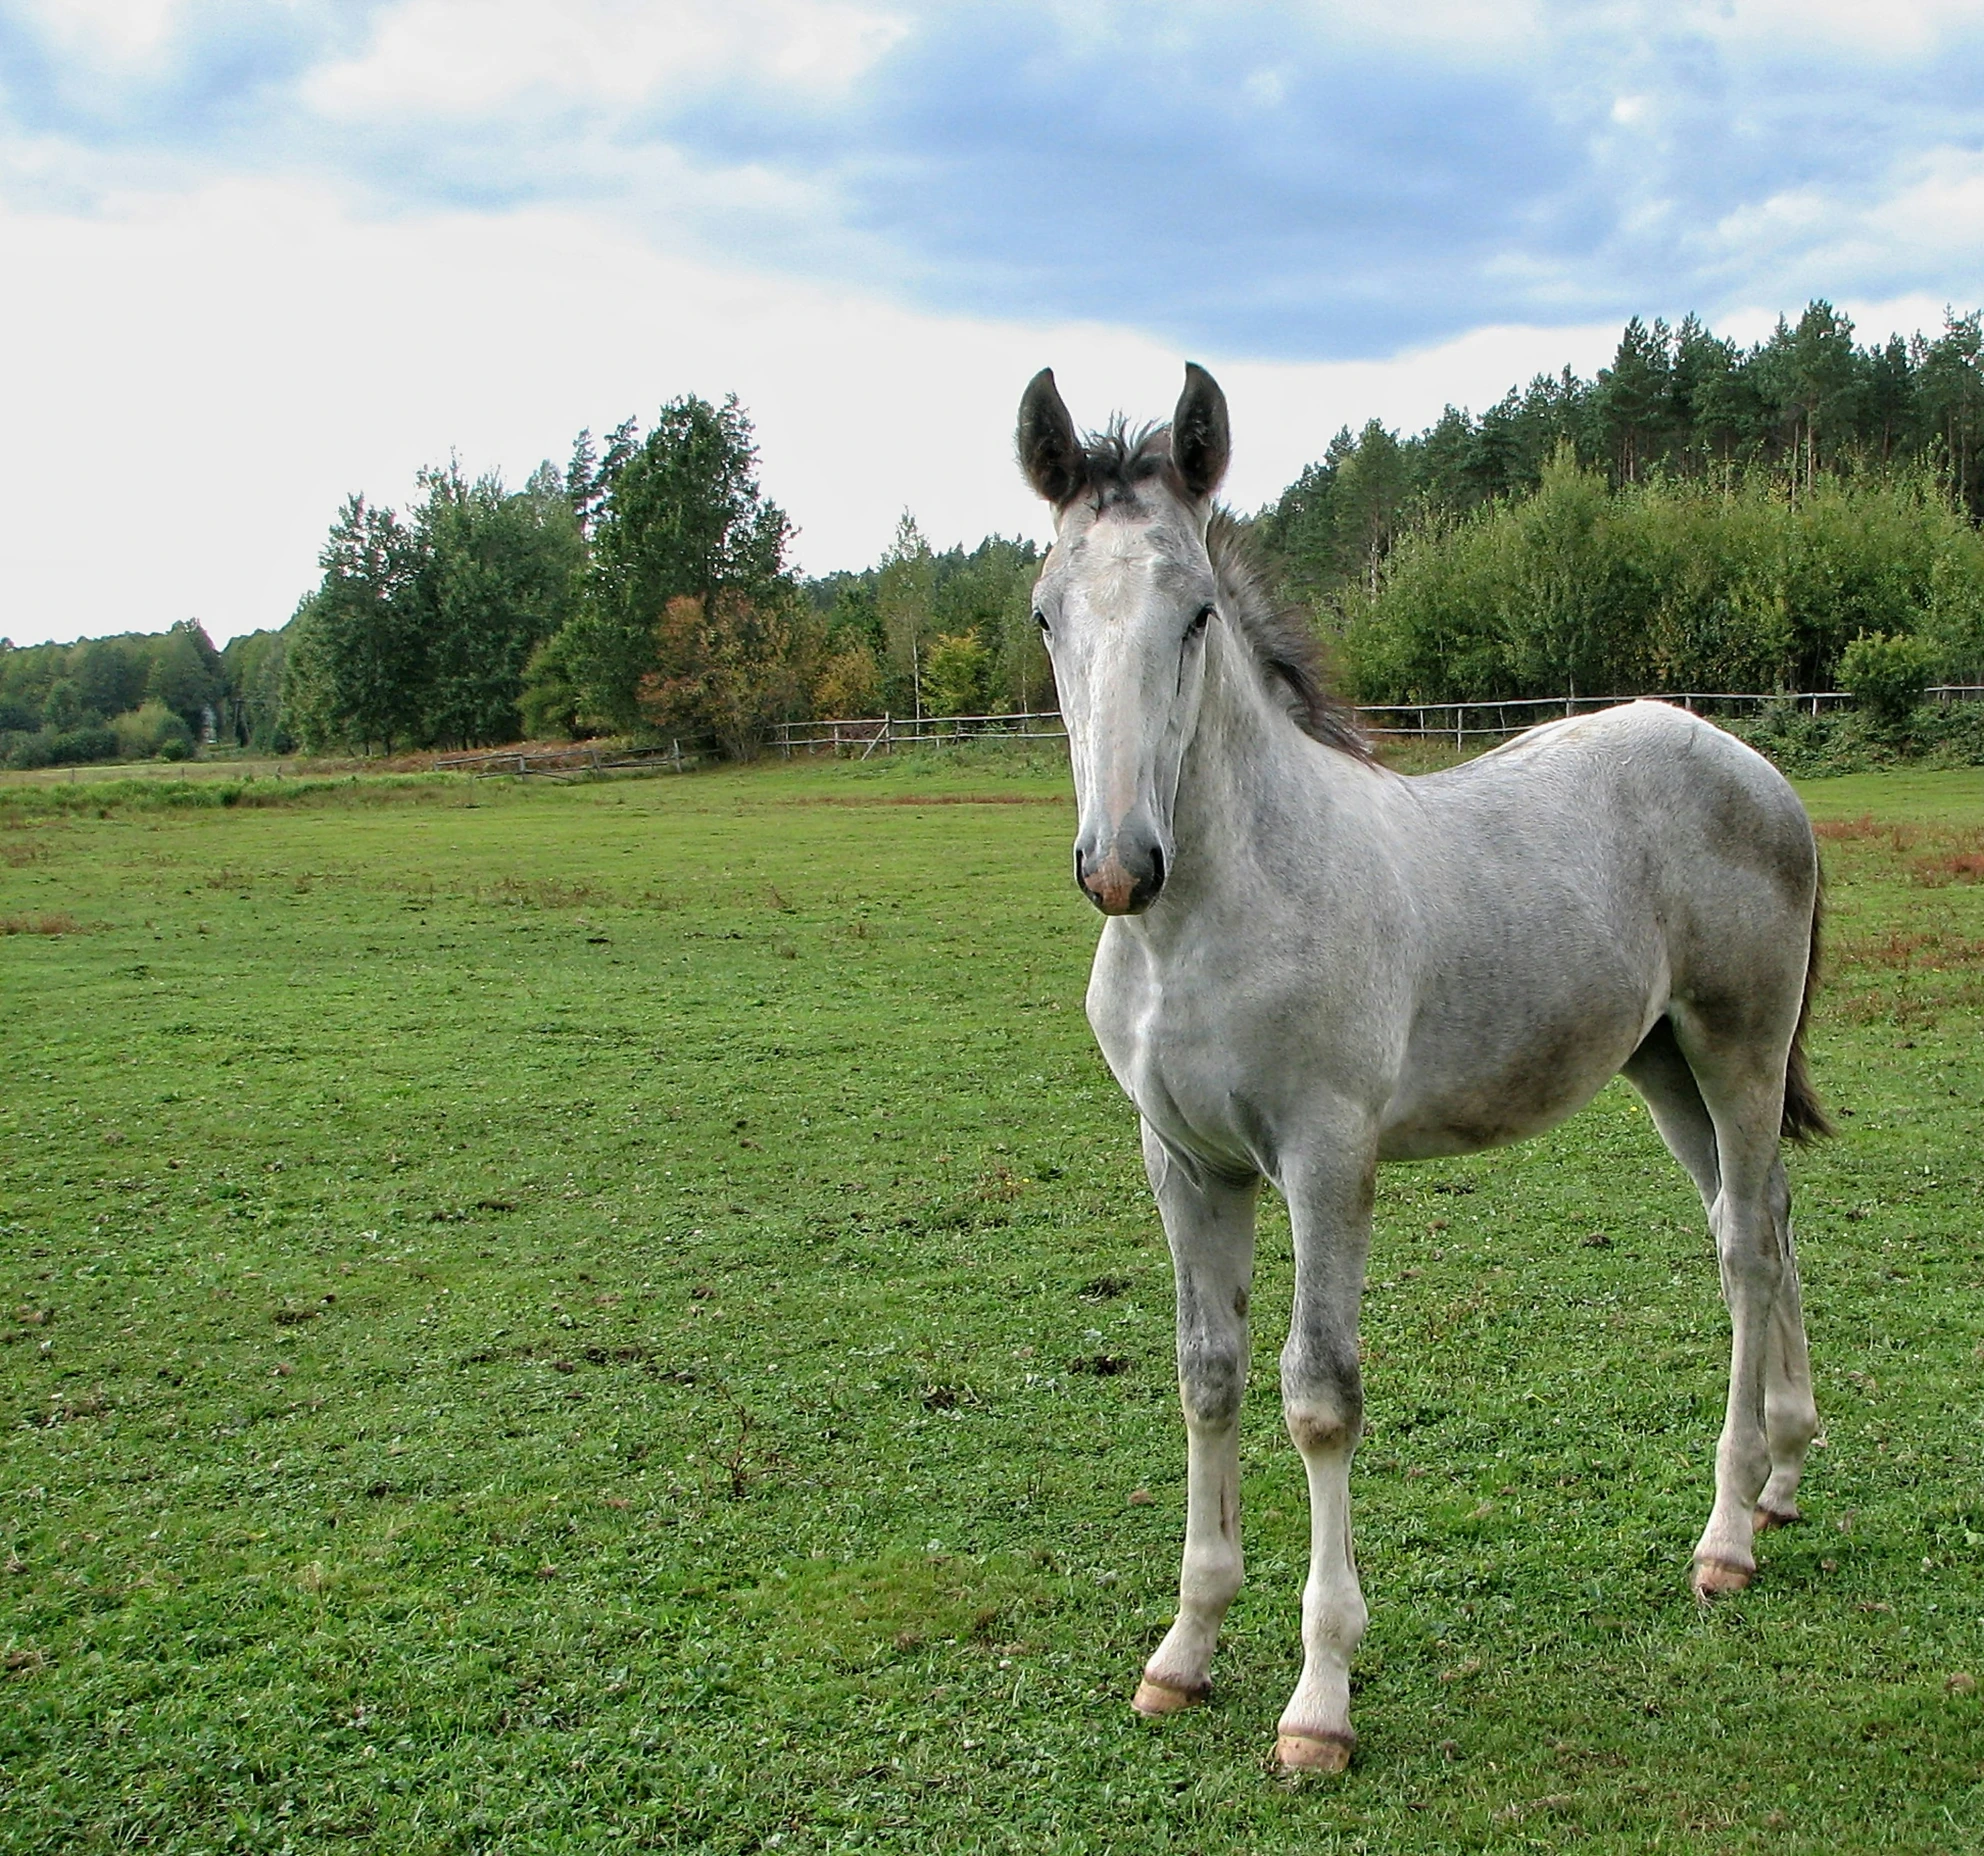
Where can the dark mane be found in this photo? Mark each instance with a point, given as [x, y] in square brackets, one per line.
[1121, 459]
[1283, 645]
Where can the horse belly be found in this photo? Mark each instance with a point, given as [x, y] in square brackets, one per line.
[1458, 1095]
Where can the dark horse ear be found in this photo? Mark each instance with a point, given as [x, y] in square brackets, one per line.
[1050, 453]
[1201, 441]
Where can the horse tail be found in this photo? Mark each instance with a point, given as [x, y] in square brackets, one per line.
[1805, 1118]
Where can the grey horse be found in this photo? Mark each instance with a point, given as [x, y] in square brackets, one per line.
[1312, 964]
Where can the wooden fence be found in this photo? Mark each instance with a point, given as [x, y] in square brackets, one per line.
[574, 760]
[1458, 722]
[865, 735]
[1450, 720]
[871, 733]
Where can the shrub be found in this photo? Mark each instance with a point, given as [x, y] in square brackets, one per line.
[1713, 585]
[954, 674]
[728, 668]
[1886, 673]
[152, 732]
[68, 747]
[850, 682]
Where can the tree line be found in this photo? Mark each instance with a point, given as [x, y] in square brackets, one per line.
[1698, 515]
[135, 696]
[645, 588]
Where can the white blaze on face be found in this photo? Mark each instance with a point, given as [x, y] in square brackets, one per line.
[1118, 580]
[1122, 600]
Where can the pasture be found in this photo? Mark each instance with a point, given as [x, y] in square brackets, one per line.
[628, 1316]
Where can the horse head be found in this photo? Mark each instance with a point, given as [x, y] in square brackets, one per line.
[1123, 604]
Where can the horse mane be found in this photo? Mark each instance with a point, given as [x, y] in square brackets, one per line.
[1122, 458]
[1288, 652]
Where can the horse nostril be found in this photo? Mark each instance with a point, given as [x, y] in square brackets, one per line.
[1156, 868]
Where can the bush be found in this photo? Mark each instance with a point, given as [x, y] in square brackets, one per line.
[79, 747]
[1665, 586]
[549, 701]
[25, 748]
[153, 732]
[954, 674]
[67, 747]
[1887, 674]
[728, 668]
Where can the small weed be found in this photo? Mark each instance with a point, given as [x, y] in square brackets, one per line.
[59, 921]
[1104, 1288]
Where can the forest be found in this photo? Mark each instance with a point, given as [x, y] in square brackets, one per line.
[1699, 516]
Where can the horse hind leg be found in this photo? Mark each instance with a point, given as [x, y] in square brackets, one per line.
[1661, 1074]
[1791, 1417]
[1769, 1419]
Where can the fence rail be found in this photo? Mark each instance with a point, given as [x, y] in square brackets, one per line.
[885, 733]
[1449, 720]
[569, 762]
[1455, 721]
[865, 735]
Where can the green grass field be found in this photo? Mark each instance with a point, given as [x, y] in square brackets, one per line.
[628, 1316]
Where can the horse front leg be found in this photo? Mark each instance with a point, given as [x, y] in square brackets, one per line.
[1322, 1392]
[1209, 1223]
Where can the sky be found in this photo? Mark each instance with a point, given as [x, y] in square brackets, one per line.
[256, 255]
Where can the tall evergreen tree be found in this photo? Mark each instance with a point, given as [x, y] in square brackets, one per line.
[1631, 400]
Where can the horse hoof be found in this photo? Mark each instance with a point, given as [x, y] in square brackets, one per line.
[1766, 1518]
[1718, 1578]
[1313, 1752]
[1154, 1700]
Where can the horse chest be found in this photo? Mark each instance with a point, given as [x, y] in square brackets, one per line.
[1178, 1038]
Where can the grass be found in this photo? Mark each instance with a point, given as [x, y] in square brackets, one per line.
[627, 1316]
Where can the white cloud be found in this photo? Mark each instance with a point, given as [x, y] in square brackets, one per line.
[117, 31]
[217, 371]
[1449, 26]
[465, 57]
[1887, 30]
[1929, 217]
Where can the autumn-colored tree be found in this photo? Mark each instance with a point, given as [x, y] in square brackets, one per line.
[729, 667]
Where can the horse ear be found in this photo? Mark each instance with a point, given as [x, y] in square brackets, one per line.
[1050, 453]
[1201, 441]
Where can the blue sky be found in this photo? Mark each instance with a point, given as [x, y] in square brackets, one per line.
[283, 249]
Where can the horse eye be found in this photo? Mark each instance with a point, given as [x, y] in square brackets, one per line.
[1040, 619]
[1199, 622]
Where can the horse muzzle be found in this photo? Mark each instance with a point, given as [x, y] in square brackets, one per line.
[1125, 876]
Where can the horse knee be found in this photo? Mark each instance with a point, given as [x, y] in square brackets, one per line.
[1322, 1429]
[1212, 1376]
[1322, 1397]
[1324, 1416]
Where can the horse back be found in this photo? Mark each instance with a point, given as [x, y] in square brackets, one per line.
[1573, 888]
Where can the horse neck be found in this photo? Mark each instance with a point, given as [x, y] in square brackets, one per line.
[1249, 777]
